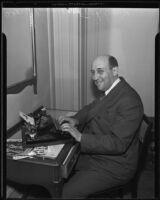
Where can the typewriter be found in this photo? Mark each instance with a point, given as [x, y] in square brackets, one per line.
[42, 129]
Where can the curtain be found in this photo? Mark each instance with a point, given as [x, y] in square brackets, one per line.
[64, 58]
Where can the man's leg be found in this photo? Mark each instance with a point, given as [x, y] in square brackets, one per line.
[86, 182]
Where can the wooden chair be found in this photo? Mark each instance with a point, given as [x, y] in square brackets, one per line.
[144, 139]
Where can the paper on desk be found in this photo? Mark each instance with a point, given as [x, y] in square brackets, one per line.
[50, 151]
[23, 154]
[27, 118]
[69, 114]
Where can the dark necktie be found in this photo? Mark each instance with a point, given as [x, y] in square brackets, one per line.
[102, 96]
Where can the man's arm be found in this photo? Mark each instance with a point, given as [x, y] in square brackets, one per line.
[114, 138]
[82, 114]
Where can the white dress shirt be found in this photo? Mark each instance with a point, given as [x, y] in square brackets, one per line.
[112, 86]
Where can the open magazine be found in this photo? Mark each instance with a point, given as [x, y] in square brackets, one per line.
[16, 150]
[50, 151]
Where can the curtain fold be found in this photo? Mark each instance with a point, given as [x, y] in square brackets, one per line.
[66, 56]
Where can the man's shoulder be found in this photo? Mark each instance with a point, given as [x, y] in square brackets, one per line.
[127, 88]
[128, 93]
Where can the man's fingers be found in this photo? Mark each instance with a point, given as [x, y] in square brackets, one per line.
[65, 125]
[61, 119]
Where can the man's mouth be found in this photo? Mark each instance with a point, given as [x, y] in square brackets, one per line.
[98, 83]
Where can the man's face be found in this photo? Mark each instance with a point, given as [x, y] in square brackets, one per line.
[102, 75]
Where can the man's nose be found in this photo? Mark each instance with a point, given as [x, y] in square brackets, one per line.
[95, 76]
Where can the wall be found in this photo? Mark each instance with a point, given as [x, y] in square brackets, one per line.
[16, 26]
[129, 35]
[26, 101]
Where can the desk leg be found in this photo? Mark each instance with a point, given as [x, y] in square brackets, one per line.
[55, 189]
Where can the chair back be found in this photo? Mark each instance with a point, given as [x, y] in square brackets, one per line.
[144, 140]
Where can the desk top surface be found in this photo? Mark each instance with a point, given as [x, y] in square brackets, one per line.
[49, 161]
[62, 155]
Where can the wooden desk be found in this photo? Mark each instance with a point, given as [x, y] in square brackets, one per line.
[48, 173]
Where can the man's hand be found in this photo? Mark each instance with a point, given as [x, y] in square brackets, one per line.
[72, 130]
[63, 119]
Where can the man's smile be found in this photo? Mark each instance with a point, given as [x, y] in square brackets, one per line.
[98, 83]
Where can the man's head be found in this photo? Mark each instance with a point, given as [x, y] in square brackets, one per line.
[104, 71]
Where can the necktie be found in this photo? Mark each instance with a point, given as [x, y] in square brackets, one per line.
[102, 96]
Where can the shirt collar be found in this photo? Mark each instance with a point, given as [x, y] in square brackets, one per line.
[112, 86]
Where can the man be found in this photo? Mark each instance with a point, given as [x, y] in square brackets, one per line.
[107, 132]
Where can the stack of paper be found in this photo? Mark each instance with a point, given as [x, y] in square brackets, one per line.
[50, 151]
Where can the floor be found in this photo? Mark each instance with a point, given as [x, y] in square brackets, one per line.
[145, 187]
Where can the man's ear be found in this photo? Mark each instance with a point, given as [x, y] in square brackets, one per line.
[115, 71]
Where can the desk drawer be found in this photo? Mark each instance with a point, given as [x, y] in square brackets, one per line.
[30, 173]
[70, 161]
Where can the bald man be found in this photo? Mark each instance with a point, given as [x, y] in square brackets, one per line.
[107, 130]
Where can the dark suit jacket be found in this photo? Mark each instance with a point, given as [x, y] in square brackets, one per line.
[109, 127]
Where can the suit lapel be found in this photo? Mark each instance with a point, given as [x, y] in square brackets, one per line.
[97, 108]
